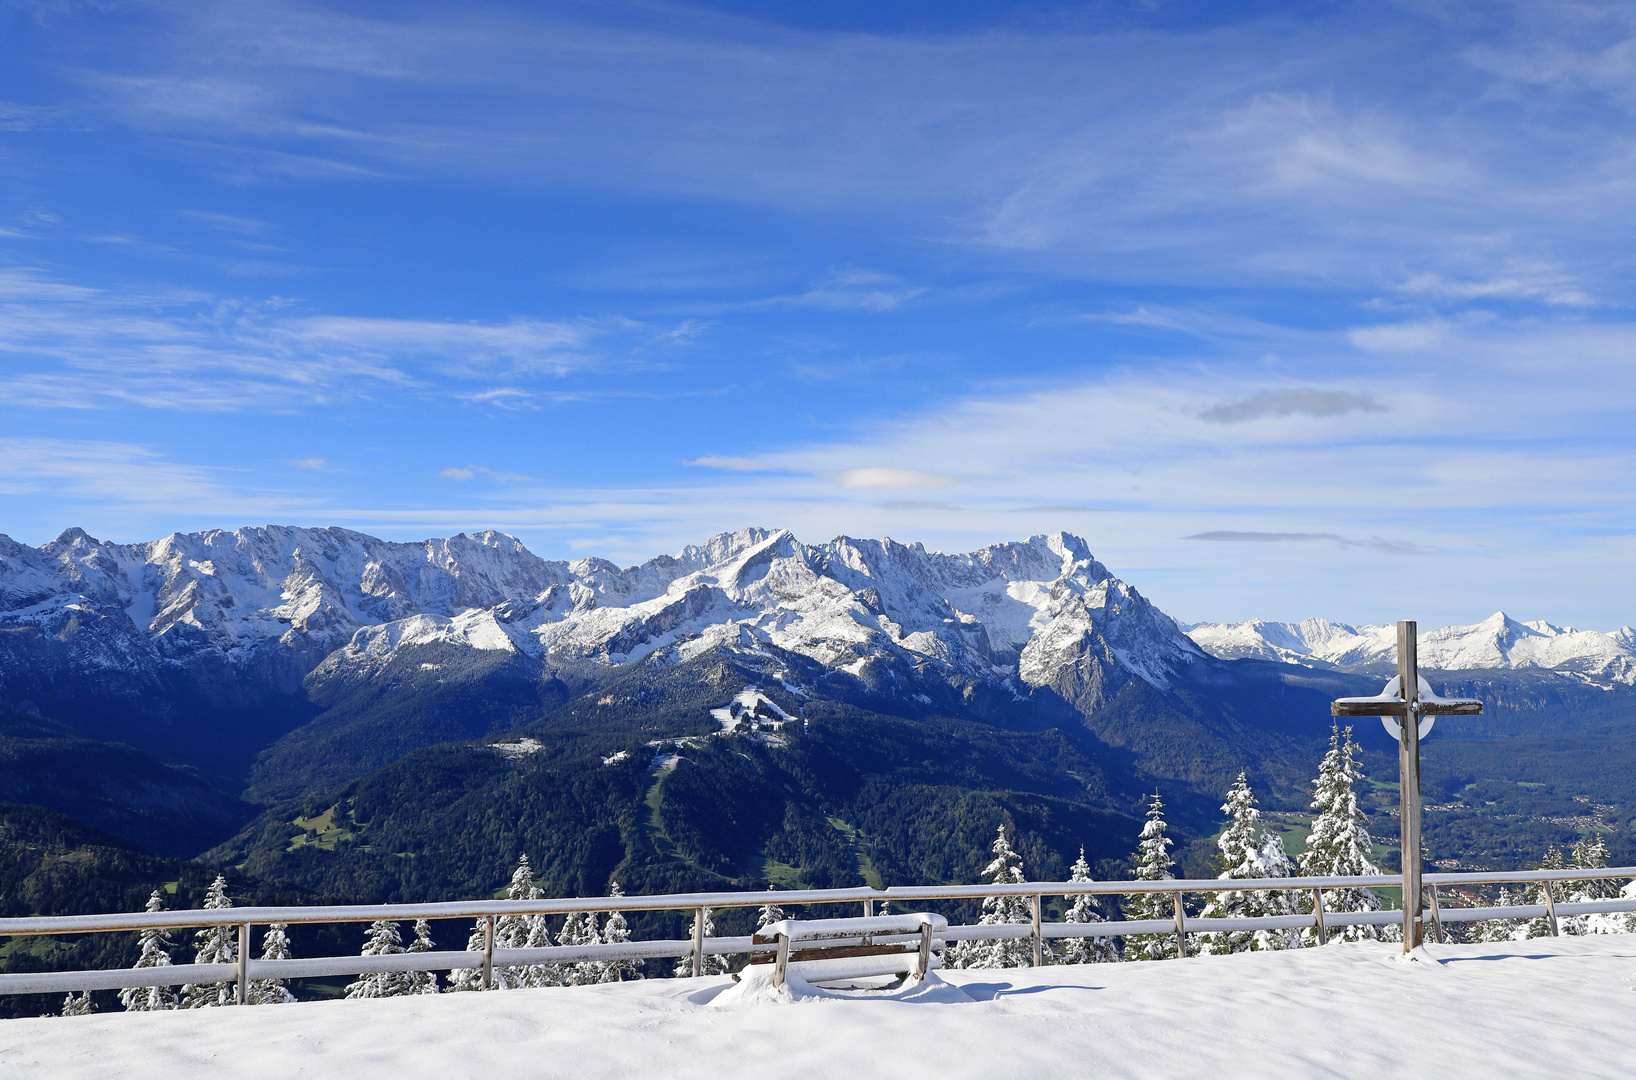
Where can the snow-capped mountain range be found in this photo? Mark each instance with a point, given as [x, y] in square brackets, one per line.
[277, 604]
[1499, 641]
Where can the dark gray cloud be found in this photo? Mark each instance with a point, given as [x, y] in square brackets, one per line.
[915, 504]
[1056, 508]
[1373, 543]
[1302, 401]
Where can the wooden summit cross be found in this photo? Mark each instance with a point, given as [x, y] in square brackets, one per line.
[1407, 696]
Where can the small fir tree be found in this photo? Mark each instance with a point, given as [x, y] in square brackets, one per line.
[714, 963]
[580, 929]
[615, 932]
[1339, 844]
[1083, 950]
[275, 945]
[381, 939]
[213, 945]
[422, 982]
[1490, 930]
[1535, 895]
[771, 912]
[1591, 853]
[511, 932]
[1248, 851]
[1004, 869]
[155, 952]
[79, 1004]
[1153, 863]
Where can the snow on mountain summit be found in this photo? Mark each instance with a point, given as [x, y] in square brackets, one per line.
[1499, 641]
[281, 601]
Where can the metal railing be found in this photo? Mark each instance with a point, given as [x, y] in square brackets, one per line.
[248, 969]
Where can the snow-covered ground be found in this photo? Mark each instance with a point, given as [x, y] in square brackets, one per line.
[1547, 1008]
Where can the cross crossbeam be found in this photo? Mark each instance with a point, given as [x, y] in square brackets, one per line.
[1399, 707]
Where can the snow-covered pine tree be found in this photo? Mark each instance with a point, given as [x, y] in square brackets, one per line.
[422, 982]
[579, 928]
[1249, 851]
[79, 1004]
[155, 952]
[381, 939]
[1535, 894]
[1083, 950]
[615, 932]
[1004, 869]
[714, 963]
[469, 978]
[770, 913]
[1339, 844]
[511, 932]
[1497, 929]
[213, 945]
[1591, 853]
[275, 945]
[1153, 863]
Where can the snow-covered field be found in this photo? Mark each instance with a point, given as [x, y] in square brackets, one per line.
[1547, 1008]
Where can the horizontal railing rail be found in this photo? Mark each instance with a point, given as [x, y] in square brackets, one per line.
[470, 909]
[1182, 925]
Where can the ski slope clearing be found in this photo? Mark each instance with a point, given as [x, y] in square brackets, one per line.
[1546, 1008]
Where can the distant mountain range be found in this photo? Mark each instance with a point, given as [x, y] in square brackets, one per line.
[169, 691]
[1499, 641]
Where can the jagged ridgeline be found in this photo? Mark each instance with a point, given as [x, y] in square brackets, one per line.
[750, 709]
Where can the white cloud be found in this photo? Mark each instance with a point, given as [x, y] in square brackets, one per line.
[875, 476]
[732, 464]
[1418, 336]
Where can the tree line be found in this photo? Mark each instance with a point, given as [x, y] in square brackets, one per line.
[1339, 845]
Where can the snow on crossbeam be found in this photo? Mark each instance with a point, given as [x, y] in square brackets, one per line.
[801, 929]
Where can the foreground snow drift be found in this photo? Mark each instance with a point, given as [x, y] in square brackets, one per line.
[1539, 1008]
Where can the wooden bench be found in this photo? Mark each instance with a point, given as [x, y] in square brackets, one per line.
[877, 945]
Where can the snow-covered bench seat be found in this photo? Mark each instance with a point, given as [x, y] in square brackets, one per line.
[833, 949]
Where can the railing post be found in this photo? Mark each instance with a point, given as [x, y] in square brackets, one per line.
[1039, 948]
[869, 908]
[1318, 916]
[1550, 910]
[698, 942]
[1437, 916]
[925, 962]
[488, 952]
[241, 993]
[1181, 930]
[782, 966]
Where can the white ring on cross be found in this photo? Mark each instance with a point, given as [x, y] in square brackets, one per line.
[1392, 691]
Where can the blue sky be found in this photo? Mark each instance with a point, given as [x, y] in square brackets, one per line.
[1289, 309]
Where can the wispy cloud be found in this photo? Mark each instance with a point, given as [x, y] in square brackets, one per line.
[1326, 151]
[75, 347]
